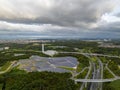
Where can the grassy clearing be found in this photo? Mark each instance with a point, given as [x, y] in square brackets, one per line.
[5, 66]
[79, 67]
[67, 68]
[119, 66]
[1, 86]
[107, 74]
[83, 74]
[93, 59]
[115, 85]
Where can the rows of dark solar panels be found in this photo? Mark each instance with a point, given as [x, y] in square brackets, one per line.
[53, 64]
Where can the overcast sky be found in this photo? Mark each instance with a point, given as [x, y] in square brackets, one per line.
[83, 18]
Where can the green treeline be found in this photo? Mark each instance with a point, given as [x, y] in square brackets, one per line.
[9, 55]
[20, 80]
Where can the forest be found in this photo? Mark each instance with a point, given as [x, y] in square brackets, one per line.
[20, 80]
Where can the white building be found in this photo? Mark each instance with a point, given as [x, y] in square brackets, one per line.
[6, 48]
[48, 52]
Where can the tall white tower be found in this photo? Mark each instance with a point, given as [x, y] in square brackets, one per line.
[43, 48]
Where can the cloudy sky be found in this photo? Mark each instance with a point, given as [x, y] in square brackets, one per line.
[82, 18]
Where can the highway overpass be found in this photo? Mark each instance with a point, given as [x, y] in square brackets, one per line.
[96, 80]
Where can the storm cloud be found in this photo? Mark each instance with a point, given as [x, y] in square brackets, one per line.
[59, 17]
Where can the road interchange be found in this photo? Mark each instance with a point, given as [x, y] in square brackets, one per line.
[96, 80]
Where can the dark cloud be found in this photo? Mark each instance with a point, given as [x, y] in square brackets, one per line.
[58, 17]
[70, 13]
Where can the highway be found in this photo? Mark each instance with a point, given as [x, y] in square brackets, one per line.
[96, 80]
[101, 77]
[91, 54]
[85, 83]
[97, 72]
[96, 75]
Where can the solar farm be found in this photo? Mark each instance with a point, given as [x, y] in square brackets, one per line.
[37, 63]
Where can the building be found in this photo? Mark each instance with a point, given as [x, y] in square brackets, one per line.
[6, 48]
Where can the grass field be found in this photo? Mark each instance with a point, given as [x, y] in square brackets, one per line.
[67, 68]
[1, 86]
[5, 66]
[119, 66]
[107, 74]
[115, 85]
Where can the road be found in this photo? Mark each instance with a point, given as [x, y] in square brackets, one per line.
[110, 71]
[94, 76]
[12, 64]
[101, 67]
[97, 72]
[85, 83]
[76, 74]
[96, 80]
[97, 76]
[91, 54]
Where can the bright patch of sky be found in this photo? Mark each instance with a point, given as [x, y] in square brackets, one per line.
[112, 16]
